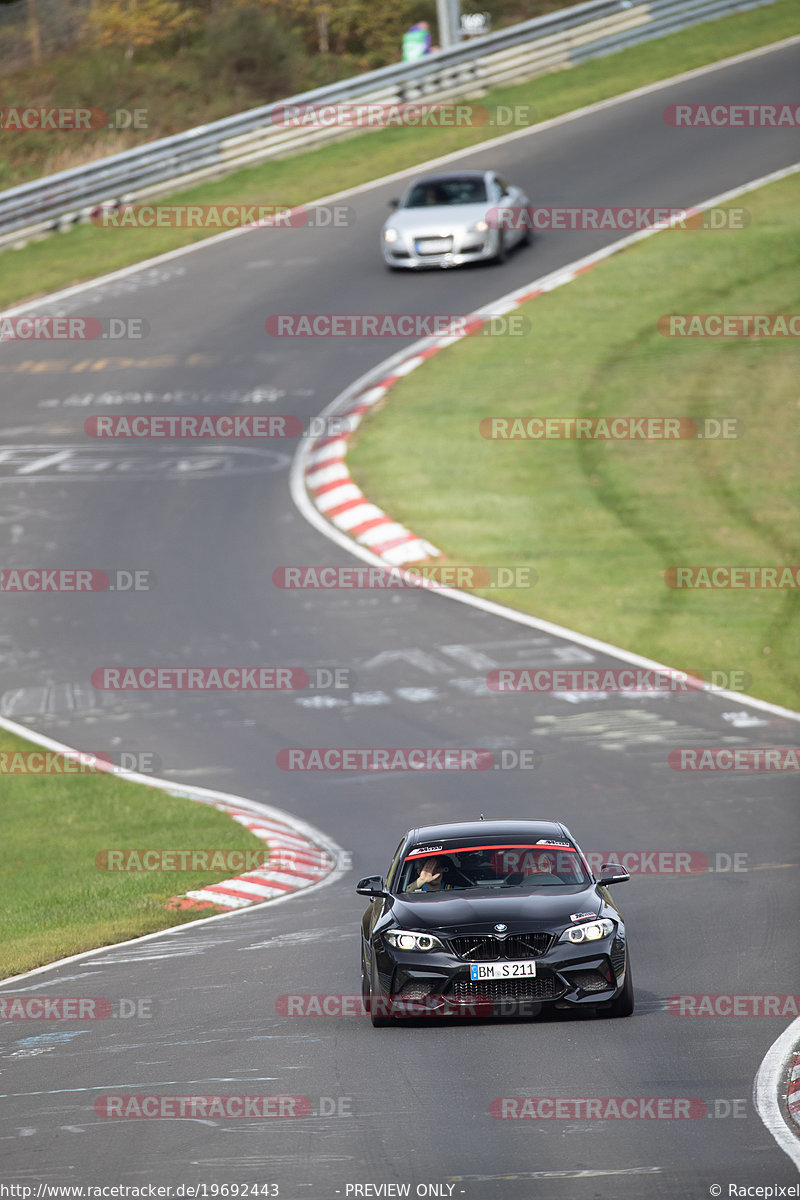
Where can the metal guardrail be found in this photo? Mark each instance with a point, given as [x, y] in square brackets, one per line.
[556, 41]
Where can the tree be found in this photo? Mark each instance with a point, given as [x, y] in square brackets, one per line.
[35, 35]
[137, 23]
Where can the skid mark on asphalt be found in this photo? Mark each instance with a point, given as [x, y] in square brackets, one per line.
[104, 1087]
[581, 1174]
[42, 1039]
[303, 935]
[57, 982]
[83, 464]
[180, 399]
[624, 729]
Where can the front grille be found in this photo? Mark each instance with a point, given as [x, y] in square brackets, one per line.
[546, 986]
[484, 947]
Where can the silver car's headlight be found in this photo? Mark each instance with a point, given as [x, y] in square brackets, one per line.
[592, 931]
[403, 939]
[390, 235]
[478, 227]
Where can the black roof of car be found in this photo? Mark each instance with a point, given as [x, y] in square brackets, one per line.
[511, 830]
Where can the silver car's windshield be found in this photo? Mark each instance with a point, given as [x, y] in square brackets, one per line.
[446, 191]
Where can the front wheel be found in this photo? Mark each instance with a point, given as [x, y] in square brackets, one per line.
[623, 1005]
[378, 1021]
[502, 250]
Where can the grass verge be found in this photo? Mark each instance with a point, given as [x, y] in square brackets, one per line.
[602, 521]
[56, 900]
[86, 252]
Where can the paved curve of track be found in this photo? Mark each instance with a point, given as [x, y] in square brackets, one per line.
[212, 527]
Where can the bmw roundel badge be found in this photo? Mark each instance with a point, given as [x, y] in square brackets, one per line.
[500, 928]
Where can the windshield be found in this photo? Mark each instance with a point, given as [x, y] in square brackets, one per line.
[511, 865]
[446, 191]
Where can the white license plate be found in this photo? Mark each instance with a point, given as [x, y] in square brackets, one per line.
[503, 970]
[434, 245]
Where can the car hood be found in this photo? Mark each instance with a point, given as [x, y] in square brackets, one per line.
[457, 913]
[435, 220]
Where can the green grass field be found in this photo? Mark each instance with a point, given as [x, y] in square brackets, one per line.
[56, 900]
[86, 252]
[601, 521]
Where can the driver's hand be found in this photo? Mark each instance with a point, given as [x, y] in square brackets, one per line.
[428, 875]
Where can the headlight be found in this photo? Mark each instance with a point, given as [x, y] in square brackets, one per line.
[478, 227]
[403, 939]
[390, 235]
[592, 931]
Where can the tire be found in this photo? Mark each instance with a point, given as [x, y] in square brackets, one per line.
[365, 997]
[526, 238]
[378, 1022]
[623, 1005]
[502, 250]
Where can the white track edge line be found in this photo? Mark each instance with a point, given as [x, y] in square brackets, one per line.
[767, 1086]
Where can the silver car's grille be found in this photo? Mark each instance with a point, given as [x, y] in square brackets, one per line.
[433, 245]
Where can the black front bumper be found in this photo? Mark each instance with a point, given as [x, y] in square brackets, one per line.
[564, 978]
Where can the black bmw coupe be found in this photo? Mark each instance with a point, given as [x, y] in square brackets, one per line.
[481, 914]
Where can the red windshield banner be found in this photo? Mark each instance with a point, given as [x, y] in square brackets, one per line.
[514, 846]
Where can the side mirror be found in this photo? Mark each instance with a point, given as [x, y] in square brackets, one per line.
[612, 873]
[373, 886]
[394, 203]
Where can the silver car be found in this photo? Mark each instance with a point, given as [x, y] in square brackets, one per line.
[449, 219]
